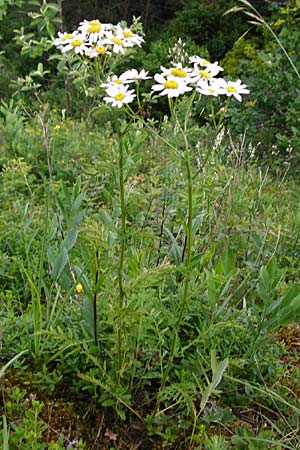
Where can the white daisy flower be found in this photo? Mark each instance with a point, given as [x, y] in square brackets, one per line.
[132, 75]
[78, 44]
[212, 67]
[117, 44]
[234, 88]
[208, 70]
[170, 86]
[196, 60]
[213, 88]
[94, 29]
[64, 38]
[97, 50]
[114, 80]
[207, 74]
[118, 95]
[128, 36]
[183, 73]
[203, 62]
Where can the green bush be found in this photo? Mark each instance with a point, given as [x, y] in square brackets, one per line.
[270, 119]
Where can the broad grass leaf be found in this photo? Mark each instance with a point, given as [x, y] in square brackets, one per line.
[263, 294]
[228, 261]
[70, 240]
[59, 264]
[105, 218]
[218, 370]
[175, 250]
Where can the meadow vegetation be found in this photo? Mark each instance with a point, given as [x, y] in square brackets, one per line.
[149, 233]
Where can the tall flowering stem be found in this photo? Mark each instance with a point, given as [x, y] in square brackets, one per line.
[189, 235]
[122, 241]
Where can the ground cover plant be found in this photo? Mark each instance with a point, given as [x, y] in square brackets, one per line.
[149, 270]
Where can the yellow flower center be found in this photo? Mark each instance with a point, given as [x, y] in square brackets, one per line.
[120, 96]
[211, 90]
[205, 61]
[95, 26]
[128, 34]
[118, 81]
[171, 84]
[101, 49]
[231, 89]
[79, 288]
[67, 36]
[117, 41]
[204, 74]
[76, 42]
[178, 72]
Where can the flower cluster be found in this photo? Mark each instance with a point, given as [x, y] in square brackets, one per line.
[93, 38]
[202, 75]
[175, 81]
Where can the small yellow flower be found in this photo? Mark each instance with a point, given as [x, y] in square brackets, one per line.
[57, 127]
[79, 288]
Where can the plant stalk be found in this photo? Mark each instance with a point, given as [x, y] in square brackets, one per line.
[188, 248]
[122, 244]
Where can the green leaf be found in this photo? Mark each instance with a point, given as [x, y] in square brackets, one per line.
[88, 315]
[211, 291]
[108, 402]
[263, 294]
[218, 370]
[70, 240]
[228, 261]
[264, 275]
[105, 217]
[175, 250]
[76, 189]
[121, 412]
[76, 204]
[51, 29]
[286, 315]
[274, 305]
[293, 292]
[40, 69]
[59, 264]
[10, 362]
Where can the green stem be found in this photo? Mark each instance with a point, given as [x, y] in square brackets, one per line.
[223, 112]
[95, 300]
[212, 109]
[187, 277]
[122, 244]
[138, 97]
[189, 241]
